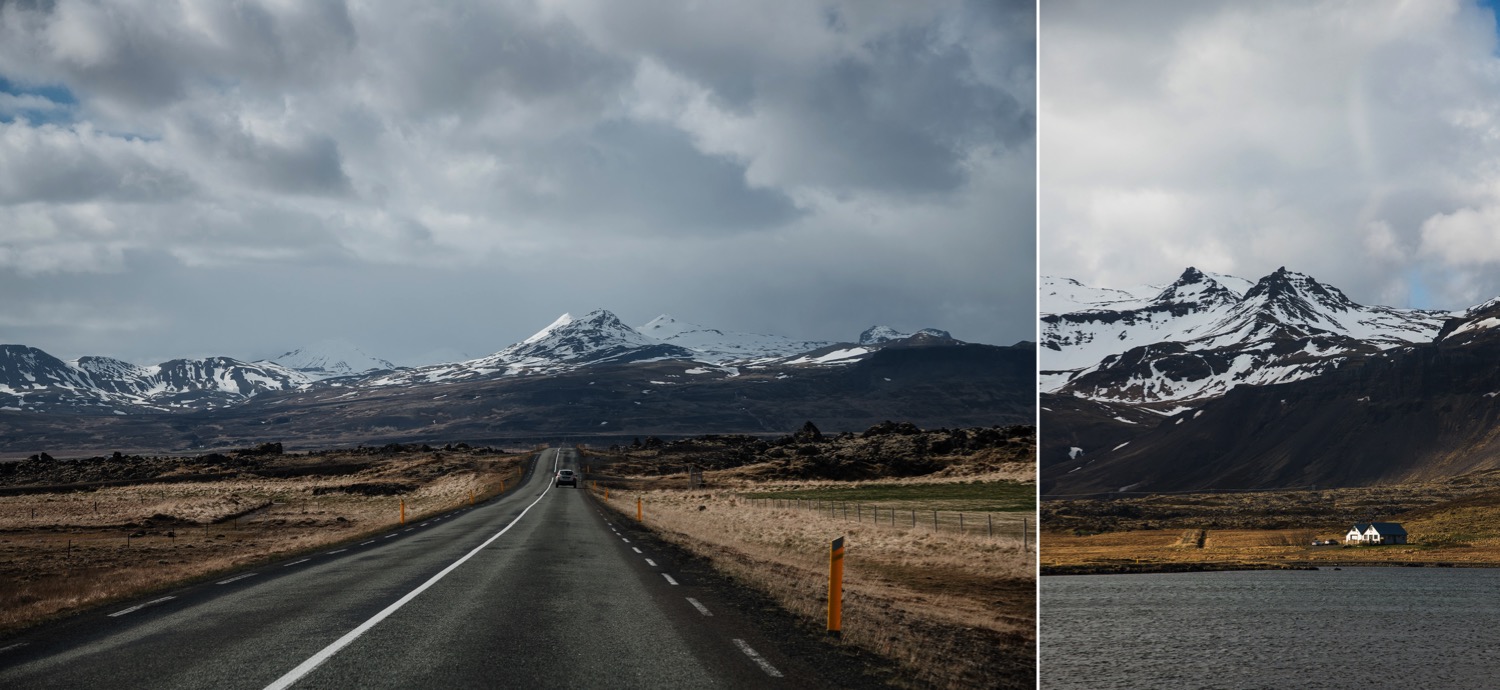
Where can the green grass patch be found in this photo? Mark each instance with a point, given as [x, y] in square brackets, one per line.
[978, 496]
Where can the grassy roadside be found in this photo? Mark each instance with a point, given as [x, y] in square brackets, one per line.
[65, 551]
[978, 496]
[952, 610]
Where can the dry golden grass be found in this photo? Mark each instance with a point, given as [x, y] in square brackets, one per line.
[1456, 521]
[1255, 548]
[954, 610]
[60, 552]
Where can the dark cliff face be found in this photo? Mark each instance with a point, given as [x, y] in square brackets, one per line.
[1414, 413]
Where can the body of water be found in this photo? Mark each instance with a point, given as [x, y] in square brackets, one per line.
[1349, 628]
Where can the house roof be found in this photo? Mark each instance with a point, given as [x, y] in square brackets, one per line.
[1388, 528]
[1361, 527]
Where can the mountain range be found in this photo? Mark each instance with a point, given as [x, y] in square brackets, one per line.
[591, 374]
[1215, 382]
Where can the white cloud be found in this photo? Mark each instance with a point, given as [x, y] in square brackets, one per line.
[1329, 137]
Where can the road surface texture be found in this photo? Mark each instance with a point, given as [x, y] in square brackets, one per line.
[537, 588]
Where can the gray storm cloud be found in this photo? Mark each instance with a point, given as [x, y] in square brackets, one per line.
[245, 178]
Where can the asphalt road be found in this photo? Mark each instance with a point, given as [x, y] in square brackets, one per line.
[535, 588]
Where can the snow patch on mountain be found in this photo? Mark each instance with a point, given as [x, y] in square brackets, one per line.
[723, 347]
[876, 335]
[328, 358]
[31, 379]
[1206, 333]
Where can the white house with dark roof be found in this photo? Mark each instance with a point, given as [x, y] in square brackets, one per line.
[1376, 533]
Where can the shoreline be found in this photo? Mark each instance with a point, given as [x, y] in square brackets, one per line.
[1204, 567]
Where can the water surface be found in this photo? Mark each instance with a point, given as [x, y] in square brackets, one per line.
[1350, 628]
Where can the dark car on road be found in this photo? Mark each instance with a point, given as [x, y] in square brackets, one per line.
[567, 477]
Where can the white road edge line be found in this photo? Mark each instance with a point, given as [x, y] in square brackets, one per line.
[372, 541]
[138, 607]
[326, 653]
[330, 553]
[650, 562]
[669, 579]
[757, 658]
[235, 579]
[698, 605]
[296, 562]
[9, 647]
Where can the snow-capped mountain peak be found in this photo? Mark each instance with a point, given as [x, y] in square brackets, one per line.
[723, 347]
[880, 334]
[595, 336]
[560, 322]
[1199, 337]
[329, 358]
[1198, 289]
[876, 335]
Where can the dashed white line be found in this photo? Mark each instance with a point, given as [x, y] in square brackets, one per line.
[670, 581]
[372, 541]
[330, 553]
[650, 562]
[235, 578]
[424, 524]
[627, 541]
[138, 607]
[635, 549]
[388, 536]
[324, 654]
[698, 605]
[408, 529]
[296, 562]
[757, 658]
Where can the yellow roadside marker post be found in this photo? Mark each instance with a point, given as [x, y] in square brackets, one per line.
[471, 497]
[638, 509]
[836, 587]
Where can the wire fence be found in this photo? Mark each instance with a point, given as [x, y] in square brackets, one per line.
[989, 524]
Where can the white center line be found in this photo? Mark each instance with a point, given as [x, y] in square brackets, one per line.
[388, 536]
[650, 562]
[627, 541]
[138, 607]
[424, 524]
[635, 549]
[296, 562]
[236, 577]
[669, 579]
[757, 658]
[330, 553]
[697, 605]
[323, 655]
[408, 529]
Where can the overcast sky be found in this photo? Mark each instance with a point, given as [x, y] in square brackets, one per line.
[1355, 141]
[202, 178]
